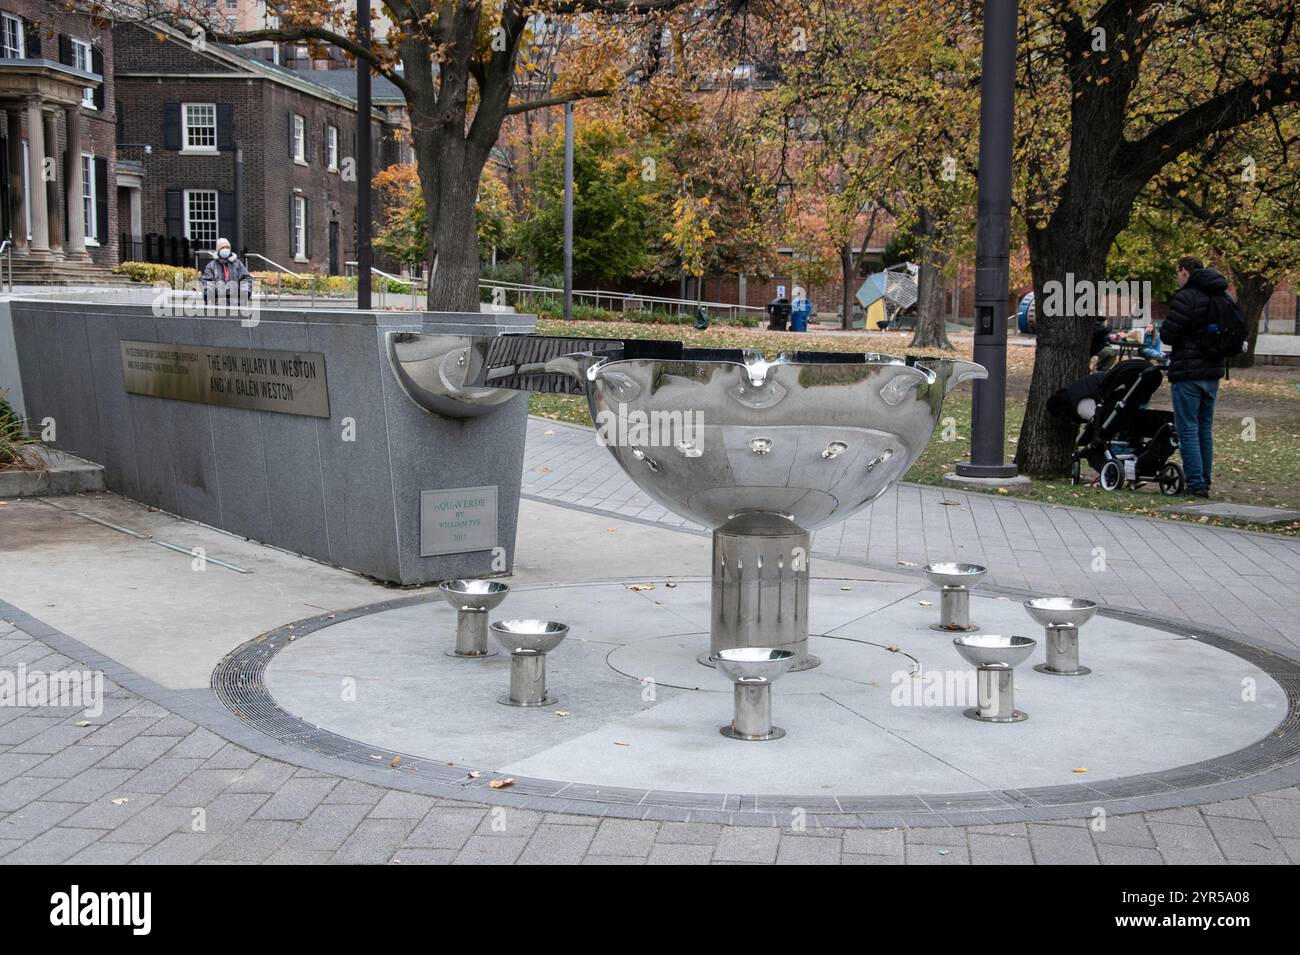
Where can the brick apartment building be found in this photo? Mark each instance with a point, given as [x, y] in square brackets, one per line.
[58, 180]
[232, 145]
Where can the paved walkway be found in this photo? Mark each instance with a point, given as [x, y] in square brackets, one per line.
[145, 783]
[1233, 580]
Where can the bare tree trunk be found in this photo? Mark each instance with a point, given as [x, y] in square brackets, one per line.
[1253, 293]
[931, 308]
[849, 274]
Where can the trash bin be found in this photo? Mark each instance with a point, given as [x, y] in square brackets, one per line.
[800, 312]
[778, 314]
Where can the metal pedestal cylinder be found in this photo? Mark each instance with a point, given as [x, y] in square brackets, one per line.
[527, 680]
[996, 696]
[1062, 652]
[753, 719]
[954, 609]
[472, 634]
[760, 587]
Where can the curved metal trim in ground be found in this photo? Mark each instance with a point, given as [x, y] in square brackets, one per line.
[1271, 762]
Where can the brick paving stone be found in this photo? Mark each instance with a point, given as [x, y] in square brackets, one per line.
[400, 805]
[295, 798]
[1062, 845]
[90, 785]
[666, 853]
[1128, 855]
[883, 842]
[152, 824]
[448, 828]
[490, 850]
[374, 842]
[111, 810]
[328, 827]
[424, 856]
[351, 792]
[254, 841]
[200, 743]
[1185, 845]
[138, 752]
[179, 848]
[163, 775]
[19, 792]
[260, 776]
[613, 860]
[560, 845]
[999, 850]
[803, 850]
[624, 837]
[920, 853]
[1245, 840]
[689, 833]
[107, 853]
[53, 846]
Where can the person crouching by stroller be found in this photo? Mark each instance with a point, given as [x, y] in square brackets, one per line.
[1101, 348]
[226, 280]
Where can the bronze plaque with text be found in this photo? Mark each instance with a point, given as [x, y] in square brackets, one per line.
[282, 381]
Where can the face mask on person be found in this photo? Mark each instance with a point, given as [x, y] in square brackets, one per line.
[223, 253]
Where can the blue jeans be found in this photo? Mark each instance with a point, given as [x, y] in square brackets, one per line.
[1194, 420]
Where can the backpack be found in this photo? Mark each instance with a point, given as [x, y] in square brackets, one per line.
[1223, 334]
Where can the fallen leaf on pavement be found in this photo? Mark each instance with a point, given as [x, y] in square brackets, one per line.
[500, 783]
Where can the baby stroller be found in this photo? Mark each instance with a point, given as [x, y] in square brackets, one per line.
[1124, 441]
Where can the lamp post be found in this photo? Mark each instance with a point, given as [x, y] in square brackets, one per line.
[993, 243]
[568, 211]
[364, 255]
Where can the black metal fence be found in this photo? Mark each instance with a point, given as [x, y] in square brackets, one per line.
[160, 249]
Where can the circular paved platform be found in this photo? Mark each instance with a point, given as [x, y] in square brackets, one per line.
[876, 729]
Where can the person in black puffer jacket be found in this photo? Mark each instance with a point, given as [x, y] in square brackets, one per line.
[1193, 375]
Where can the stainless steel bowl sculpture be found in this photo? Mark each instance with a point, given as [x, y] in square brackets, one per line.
[760, 452]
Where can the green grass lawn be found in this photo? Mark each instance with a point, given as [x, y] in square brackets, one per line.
[1257, 424]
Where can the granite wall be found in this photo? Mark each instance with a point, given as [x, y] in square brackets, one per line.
[287, 480]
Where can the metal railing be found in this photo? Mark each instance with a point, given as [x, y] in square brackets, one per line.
[278, 270]
[350, 269]
[625, 301]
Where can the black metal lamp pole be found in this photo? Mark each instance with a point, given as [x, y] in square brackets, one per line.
[993, 242]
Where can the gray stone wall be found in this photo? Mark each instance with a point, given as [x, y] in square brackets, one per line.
[287, 480]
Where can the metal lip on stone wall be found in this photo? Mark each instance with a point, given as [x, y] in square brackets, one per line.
[433, 370]
[810, 435]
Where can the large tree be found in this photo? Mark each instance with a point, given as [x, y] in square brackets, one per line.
[1111, 94]
[456, 63]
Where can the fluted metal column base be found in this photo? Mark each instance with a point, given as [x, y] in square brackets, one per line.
[1062, 652]
[995, 689]
[760, 587]
[753, 713]
[471, 634]
[527, 680]
[954, 610]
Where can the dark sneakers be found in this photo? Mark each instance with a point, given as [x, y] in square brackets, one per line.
[1199, 492]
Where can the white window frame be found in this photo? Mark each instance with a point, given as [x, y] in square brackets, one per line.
[299, 227]
[216, 213]
[332, 148]
[89, 199]
[299, 139]
[83, 59]
[18, 50]
[204, 150]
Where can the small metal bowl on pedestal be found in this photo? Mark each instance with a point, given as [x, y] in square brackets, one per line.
[753, 670]
[995, 658]
[528, 642]
[1061, 618]
[473, 600]
[954, 580]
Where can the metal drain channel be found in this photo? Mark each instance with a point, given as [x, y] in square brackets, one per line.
[238, 681]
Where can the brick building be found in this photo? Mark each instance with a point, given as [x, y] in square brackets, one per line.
[57, 172]
[232, 145]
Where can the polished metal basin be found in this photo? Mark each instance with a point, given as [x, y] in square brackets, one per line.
[812, 437]
[994, 650]
[753, 664]
[474, 594]
[952, 574]
[528, 636]
[1061, 611]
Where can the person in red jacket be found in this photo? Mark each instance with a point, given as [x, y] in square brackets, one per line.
[226, 280]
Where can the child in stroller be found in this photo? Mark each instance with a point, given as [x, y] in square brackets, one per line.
[1121, 438]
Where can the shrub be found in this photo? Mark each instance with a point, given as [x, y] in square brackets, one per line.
[152, 272]
[13, 437]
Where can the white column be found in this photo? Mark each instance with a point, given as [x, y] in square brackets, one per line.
[75, 246]
[40, 244]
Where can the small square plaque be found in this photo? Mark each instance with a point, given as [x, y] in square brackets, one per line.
[458, 520]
